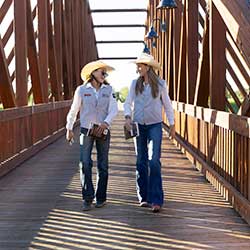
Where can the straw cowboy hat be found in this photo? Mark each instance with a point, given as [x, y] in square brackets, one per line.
[145, 58]
[91, 67]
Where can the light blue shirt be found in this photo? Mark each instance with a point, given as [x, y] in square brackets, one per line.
[94, 106]
[145, 109]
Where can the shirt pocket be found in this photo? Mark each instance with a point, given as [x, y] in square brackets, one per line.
[104, 100]
[89, 99]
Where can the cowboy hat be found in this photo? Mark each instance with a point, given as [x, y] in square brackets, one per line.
[89, 68]
[145, 58]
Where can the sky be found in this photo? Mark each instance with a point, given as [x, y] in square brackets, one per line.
[125, 70]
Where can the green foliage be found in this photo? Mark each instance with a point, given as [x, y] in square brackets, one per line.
[231, 100]
[30, 100]
[122, 94]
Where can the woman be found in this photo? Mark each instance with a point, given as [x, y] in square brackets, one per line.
[148, 94]
[97, 105]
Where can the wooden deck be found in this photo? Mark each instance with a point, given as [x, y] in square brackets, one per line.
[40, 206]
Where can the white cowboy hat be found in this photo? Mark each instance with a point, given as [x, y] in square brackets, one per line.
[92, 66]
[145, 58]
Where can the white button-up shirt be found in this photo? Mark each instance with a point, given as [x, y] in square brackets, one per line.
[146, 109]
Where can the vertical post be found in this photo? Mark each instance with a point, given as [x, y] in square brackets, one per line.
[202, 81]
[76, 46]
[34, 66]
[181, 91]
[217, 59]
[170, 55]
[6, 90]
[52, 57]
[65, 55]
[21, 52]
[192, 47]
[58, 40]
[176, 45]
[43, 46]
[68, 23]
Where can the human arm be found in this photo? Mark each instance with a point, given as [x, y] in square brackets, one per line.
[169, 111]
[128, 105]
[71, 116]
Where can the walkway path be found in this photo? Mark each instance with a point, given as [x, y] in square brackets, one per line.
[40, 206]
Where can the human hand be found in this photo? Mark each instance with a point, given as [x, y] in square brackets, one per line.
[128, 123]
[172, 131]
[70, 136]
[101, 128]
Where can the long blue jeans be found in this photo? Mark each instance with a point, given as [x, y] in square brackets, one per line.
[86, 164]
[148, 165]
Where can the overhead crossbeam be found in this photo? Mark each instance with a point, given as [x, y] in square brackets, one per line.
[120, 41]
[117, 10]
[120, 26]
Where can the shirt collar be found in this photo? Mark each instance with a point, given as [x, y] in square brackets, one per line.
[89, 85]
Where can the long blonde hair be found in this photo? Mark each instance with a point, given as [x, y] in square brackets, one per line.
[153, 82]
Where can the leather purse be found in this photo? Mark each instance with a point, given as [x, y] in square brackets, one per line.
[134, 132]
[92, 131]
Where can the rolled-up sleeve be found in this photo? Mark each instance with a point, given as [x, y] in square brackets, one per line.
[166, 102]
[113, 109]
[129, 100]
[74, 109]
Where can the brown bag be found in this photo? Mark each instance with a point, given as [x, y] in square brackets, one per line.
[134, 132]
[92, 131]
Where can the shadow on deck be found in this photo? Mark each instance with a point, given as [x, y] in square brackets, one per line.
[40, 205]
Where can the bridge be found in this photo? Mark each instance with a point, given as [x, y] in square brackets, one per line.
[204, 50]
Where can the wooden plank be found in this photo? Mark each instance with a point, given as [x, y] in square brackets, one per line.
[21, 52]
[236, 79]
[239, 60]
[202, 82]
[248, 168]
[176, 44]
[119, 26]
[10, 56]
[69, 37]
[196, 217]
[8, 33]
[117, 10]
[120, 41]
[181, 92]
[58, 40]
[170, 70]
[6, 89]
[235, 14]
[192, 47]
[239, 124]
[66, 71]
[217, 59]
[163, 49]
[81, 13]
[52, 58]
[43, 46]
[245, 107]
[76, 46]
[4, 9]
[34, 66]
